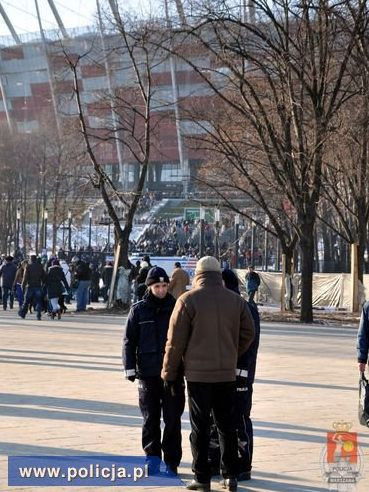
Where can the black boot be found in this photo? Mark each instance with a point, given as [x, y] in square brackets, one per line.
[229, 483]
[195, 485]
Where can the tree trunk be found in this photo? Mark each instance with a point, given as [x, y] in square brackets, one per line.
[361, 249]
[307, 264]
[288, 302]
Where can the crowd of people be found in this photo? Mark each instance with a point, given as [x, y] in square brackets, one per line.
[180, 237]
[169, 338]
[48, 285]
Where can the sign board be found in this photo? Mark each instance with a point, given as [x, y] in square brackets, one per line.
[167, 262]
[194, 214]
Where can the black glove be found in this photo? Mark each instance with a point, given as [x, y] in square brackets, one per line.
[169, 386]
[241, 382]
[131, 378]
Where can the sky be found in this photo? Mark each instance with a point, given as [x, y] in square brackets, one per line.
[22, 14]
[74, 13]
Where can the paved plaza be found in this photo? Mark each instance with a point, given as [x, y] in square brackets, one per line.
[63, 392]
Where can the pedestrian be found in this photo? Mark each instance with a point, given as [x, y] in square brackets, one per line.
[107, 275]
[82, 278]
[209, 328]
[252, 283]
[179, 281]
[141, 279]
[363, 338]
[56, 285]
[95, 283]
[245, 375]
[32, 285]
[68, 277]
[17, 285]
[8, 271]
[143, 351]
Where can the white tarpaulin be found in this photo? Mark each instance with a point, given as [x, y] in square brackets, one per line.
[329, 289]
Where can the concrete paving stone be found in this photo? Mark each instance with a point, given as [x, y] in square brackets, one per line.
[63, 392]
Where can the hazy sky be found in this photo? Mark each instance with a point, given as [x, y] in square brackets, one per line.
[74, 13]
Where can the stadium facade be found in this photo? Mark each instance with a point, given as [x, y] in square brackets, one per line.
[36, 84]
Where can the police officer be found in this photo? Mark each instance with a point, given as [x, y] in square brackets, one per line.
[245, 376]
[143, 351]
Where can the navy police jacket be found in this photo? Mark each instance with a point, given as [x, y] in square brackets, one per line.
[363, 335]
[246, 364]
[146, 335]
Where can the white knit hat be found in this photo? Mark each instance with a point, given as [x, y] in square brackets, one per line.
[207, 264]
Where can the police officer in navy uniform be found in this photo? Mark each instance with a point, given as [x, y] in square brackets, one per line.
[245, 376]
[143, 352]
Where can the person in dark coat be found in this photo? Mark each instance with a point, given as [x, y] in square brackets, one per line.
[56, 285]
[143, 352]
[95, 280]
[33, 281]
[107, 275]
[245, 375]
[141, 279]
[363, 338]
[82, 278]
[7, 275]
[17, 285]
[252, 283]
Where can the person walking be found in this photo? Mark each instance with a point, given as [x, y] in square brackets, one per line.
[56, 285]
[179, 281]
[143, 351]
[82, 278]
[17, 285]
[252, 283]
[209, 329]
[32, 284]
[8, 271]
[7, 274]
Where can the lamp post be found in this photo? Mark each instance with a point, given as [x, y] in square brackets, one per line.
[202, 227]
[252, 242]
[46, 215]
[266, 223]
[69, 230]
[109, 234]
[217, 220]
[17, 233]
[236, 234]
[89, 228]
[105, 220]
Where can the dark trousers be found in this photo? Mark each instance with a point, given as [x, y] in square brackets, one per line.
[8, 293]
[245, 433]
[153, 400]
[251, 294]
[219, 398]
[33, 296]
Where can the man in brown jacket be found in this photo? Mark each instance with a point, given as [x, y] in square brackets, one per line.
[209, 329]
[179, 281]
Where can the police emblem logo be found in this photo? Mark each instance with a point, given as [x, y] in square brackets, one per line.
[341, 459]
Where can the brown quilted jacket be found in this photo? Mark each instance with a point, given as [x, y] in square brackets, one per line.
[209, 329]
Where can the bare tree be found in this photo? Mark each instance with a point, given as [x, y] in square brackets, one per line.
[347, 192]
[132, 104]
[286, 75]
